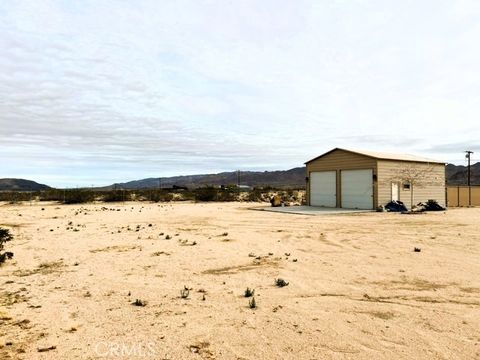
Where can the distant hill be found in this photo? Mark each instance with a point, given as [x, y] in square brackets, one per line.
[21, 185]
[295, 178]
[457, 174]
[284, 178]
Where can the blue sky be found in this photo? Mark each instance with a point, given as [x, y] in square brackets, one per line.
[97, 92]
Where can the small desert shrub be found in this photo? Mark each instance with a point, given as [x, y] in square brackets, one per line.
[78, 196]
[207, 193]
[116, 196]
[252, 303]
[416, 249]
[249, 292]
[227, 195]
[161, 196]
[280, 282]
[14, 197]
[184, 292]
[5, 236]
[210, 193]
[185, 195]
[51, 195]
[139, 302]
[255, 195]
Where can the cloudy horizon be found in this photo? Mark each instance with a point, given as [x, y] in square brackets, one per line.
[101, 92]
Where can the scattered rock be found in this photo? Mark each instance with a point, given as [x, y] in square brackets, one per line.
[44, 349]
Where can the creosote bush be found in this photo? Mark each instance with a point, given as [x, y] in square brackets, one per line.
[210, 193]
[78, 196]
[116, 196]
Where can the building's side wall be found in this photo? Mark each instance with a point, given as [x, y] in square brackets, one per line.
[431, 186]
[341, 160]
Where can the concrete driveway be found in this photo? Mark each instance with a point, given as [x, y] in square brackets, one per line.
[311, 210]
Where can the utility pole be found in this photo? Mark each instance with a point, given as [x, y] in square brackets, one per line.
[238, 178]
[469, 153]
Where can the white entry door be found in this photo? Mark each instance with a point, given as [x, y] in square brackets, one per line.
[323, 188]
[357, 189]
[395, 191]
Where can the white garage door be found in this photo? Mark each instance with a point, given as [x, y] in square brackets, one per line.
[323, 188]
[357, 189]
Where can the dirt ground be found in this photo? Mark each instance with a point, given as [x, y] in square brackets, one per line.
[356, 288]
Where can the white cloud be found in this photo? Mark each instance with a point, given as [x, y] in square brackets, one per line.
[109, 91]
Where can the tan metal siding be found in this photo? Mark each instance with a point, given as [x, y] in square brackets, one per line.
[341, 160]
[433, 187]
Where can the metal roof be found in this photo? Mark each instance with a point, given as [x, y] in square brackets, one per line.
[383, 156]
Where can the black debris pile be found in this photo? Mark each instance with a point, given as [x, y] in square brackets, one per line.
[433, 205]
[396, 206]
[430, 205]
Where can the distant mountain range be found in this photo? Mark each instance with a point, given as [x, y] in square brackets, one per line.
[457, 174]
[21, 185]
[283, 178]
[294, 178]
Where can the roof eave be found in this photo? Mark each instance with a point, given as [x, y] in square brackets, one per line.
[375, 157]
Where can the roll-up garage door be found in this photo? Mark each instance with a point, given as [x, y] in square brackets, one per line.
[357, 189]
[323, 188]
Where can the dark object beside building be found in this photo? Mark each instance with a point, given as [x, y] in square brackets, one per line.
[396, 206]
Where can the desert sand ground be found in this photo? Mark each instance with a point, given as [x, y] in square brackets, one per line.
[357, 290]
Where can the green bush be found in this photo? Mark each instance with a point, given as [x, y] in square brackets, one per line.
[78, 196]
[207, 193]
[17, 196]
[210, 193]
[51, 195]
[116, 196]
[161, 196]
[256, 195]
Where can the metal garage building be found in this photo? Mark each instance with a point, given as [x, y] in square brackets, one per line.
[364, 179]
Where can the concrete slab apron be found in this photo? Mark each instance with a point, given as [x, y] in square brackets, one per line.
[310, 210]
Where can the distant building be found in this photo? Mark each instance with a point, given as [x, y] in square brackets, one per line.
[365, 180]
